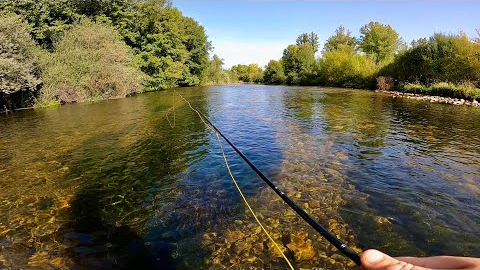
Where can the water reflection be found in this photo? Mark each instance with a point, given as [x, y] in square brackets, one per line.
[134, 183]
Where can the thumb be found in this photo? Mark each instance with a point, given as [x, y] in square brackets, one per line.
[374, 259]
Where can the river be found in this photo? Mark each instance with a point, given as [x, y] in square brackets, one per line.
[141, 183]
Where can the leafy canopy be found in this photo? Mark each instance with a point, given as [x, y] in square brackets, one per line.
[342, 39]
[379, 41]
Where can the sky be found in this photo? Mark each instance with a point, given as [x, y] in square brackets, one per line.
[245, 32]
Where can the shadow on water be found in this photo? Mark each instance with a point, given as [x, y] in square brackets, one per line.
[113, 218]
[113, 247]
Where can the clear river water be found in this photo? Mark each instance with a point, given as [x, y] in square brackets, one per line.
[140, 182]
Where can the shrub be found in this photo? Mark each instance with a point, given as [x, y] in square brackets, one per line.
[344, 68]
[90, 62]
[18, 70]
[452, 58]
[385, 83]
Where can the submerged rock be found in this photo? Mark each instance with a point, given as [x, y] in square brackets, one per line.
[301, 247]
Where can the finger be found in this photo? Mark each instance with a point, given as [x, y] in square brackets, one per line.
[374, 259]
[443, 262]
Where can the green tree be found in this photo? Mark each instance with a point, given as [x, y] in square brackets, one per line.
[47, 19]
[89, 62]
[308, 38]
[298, 63]
[215, 74]
[341, 38]
[379, 41]
[19, 74]
[247, 73]
[452, 58]
[170, 48]
[274, 73]
[345, 68]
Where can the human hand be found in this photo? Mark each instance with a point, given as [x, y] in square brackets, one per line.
[374, 259]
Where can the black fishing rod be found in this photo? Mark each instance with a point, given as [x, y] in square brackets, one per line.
[347, 251]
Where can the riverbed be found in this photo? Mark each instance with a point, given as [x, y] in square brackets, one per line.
[141, 183]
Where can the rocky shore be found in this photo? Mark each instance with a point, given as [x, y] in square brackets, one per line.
[437, 99]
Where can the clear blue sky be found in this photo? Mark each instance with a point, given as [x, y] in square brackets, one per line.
[257, 31]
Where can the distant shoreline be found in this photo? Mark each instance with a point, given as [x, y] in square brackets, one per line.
[394, 94]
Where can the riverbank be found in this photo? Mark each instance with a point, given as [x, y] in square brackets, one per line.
[434, 99]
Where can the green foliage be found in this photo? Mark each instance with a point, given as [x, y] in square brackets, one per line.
[274, 73]
[465, 90]
[90, 62]
[379, 41]
[345, 68]
[307, 38]
[299, 63]
[18, 69]
[47, 19]
[341, 38]
[170, 48]
[452, 58]
[215, 74]
[247, 73]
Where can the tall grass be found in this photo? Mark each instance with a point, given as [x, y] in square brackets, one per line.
[90, 62]
[465, 90]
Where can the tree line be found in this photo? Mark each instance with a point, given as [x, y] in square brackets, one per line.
[444, 64]
[82, 50]
[78, 50]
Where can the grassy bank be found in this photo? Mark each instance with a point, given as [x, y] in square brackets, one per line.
[465, 90]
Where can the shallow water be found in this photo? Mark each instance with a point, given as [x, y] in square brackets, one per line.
[140, 182]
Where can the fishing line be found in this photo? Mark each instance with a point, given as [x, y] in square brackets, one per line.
[237, 186]
[342, 247]
[168, 113]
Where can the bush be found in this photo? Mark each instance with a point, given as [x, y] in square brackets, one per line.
[18, 69]
[90, 62]
[344, 68]
[452, 58]
[385, 83]
[215, 74]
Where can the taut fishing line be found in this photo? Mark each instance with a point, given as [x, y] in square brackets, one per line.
[342, 247]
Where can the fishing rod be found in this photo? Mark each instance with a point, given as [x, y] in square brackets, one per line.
[342, 247]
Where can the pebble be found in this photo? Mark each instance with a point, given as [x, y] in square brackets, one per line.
[435, 99]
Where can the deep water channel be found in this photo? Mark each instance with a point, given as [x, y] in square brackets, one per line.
[140, 182]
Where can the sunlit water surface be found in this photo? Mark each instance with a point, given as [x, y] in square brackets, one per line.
[140, 182]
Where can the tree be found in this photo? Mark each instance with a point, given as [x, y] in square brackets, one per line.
[451, 58]
[345, 68]
[247, 73]
[341, 39]
[170, 48]
[89, 62]
[19, 73]
[307, 38]
[215, 74]
[274, 73]
[298, 63]
[379, 41]
[47, 19]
